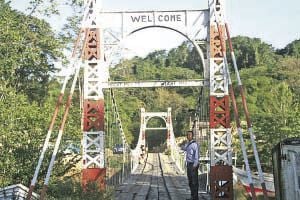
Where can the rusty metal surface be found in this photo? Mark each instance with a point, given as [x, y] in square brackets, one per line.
[221, 182]
[219, 112]
[93, 115]
[92, 50]
[96, 175]
[215, 43]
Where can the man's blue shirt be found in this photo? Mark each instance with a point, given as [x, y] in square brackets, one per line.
[192, 153]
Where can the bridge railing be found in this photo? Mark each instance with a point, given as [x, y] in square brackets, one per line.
[177, 155]
[139, 153]
[119, 174]
[119, 158]
[135, 157]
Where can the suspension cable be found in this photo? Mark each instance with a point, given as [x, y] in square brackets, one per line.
[109, 131]
[126, 148]
[60, 133]
[46, 143]
[249, 123]
[118, 118]
[236, 115]
[54, 116]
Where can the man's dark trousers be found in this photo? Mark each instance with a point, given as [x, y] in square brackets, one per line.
[192, 174]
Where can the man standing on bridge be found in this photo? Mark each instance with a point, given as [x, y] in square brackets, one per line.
[192, 163]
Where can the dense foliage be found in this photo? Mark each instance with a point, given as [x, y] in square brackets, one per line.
[28, 93]
[27, 51]
[252, 52]
[153, 67]
[270, 78]
[272, 88]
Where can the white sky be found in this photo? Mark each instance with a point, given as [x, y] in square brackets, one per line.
[274, 21]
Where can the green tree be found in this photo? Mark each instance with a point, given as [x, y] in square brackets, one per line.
[252, 52]
[288, 70]
[157, 58]
[28, 95]
[177, 57]
[28, 48]
[274, 112]
[292, 49]
[194, 61]
[22, 130]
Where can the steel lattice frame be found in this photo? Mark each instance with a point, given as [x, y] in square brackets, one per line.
[221, 152]
[145, 117]
[96, 73]
[166, 116]
[93, 109]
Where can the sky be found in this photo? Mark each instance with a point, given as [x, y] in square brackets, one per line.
[274, 21]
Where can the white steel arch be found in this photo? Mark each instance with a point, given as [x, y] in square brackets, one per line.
[140, 150]
[118, 26]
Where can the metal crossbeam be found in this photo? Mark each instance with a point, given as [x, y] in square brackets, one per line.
[156, 114]
[159, 128]
[158, 83]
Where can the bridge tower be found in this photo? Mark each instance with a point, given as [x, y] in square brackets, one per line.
[221, 183]
[146, 116]
[95, 73]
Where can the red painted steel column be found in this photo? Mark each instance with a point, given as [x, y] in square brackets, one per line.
[93, 113]
[221, 182]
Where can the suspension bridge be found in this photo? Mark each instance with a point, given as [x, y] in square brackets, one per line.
[140, 174]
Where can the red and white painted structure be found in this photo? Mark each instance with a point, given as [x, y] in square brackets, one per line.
[221, 181]
[95, 72]
[104, 33]
[115, 27]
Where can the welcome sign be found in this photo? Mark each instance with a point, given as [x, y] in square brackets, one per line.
[157, 17]
[191, 23]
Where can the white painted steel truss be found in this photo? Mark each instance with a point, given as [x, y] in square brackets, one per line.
[218, 77]
[118, 25]
[153, 83]
[95, 73]
[93, 149]
[221, 139]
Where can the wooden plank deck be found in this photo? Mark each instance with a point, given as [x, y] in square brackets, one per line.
[154, 183]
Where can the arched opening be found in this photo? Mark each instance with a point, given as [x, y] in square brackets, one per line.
[165, 98]
[128, 39]
[156, 134]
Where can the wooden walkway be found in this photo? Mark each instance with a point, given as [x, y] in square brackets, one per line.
[157, 179]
